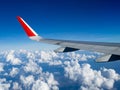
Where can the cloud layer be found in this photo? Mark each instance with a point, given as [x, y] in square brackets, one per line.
[90, 79]
[26, 70]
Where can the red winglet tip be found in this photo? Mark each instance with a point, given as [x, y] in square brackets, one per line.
[26, 27]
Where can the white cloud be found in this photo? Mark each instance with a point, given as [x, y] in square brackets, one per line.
[50, 80]
[108, 84]
[27, 81]
[2, 80]
[12, 59]
[4, 86]
[16, 86]
[47, 56]
[1, 67]
[14, 71]
[39, 85]
[33, 77]
[31, 66]
[45, 81]
[53, 58]
[109, 73]
[80, 56]
[30, 55]
[55, 62]
[89, 78]
[28, 62]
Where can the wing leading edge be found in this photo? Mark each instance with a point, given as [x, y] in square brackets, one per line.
[111, 50]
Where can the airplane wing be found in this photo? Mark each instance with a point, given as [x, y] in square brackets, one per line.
[111, 50]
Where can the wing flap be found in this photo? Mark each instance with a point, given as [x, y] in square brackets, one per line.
[108, 58]
[65, 49]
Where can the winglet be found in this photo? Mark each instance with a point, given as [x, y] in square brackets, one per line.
[29, 31]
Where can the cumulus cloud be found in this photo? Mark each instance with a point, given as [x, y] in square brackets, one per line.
[24, 67]
[25, 70]
[1, 67]
[47, 57]
[90, 79]
[109, 73]
[27, 81]
[79, 57]
[2, 80]
[39, 85]
[31, 66]
[16, 86]
[55, 62]
[14, 71]
[53, 58]
[4, 85]
[47, 82]
[11, 58]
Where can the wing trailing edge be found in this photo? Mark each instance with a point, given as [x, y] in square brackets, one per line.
[108, 58]
[65, 49]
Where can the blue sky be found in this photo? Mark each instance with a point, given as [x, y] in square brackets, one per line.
[89, 20]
